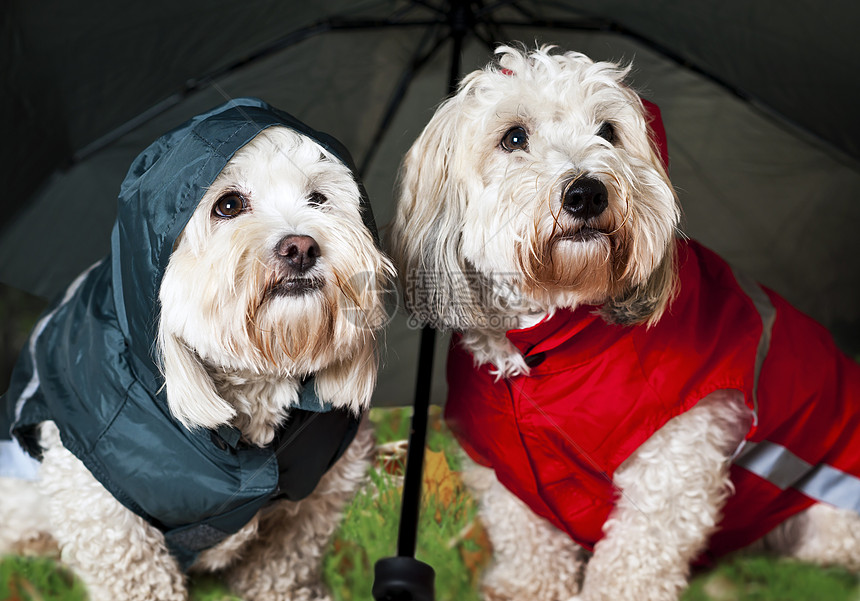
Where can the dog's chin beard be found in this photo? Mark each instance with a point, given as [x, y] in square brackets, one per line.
[293, 327]
[585, 261]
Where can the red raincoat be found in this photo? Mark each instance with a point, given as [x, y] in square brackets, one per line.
[596, 392]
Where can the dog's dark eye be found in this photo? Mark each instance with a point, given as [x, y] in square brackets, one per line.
[607, 132]
[516, 138]
[230, 205]
[317, 198]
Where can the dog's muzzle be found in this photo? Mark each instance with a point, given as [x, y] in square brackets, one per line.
[298, 253]
[297, 256]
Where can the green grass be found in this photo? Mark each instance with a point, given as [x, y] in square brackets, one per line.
[448, 534]
[451, 540]
[369, 533]
[37, 579]
[757, 578]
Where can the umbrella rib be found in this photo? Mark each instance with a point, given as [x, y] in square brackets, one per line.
[436, 9]
[592, 24]
[336, 24]
[486, 40]
[586, 23]
[407, 9]
[333, 24]
[524, 12]
[496, 34]
[416, 64]
[486, 10]
[580, 24]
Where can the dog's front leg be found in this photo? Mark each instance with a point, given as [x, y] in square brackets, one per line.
[285, 562]
[532, 559]
[672, 491]
[115, 552]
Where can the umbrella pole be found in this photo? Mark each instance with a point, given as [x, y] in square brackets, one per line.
[404, 578]
[411, 503]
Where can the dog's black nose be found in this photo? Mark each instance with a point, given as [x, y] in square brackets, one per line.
[585, 197]
[300, 253]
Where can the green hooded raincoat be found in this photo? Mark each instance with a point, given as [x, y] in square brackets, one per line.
[90, 367]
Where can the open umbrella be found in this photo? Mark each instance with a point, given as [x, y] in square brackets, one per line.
[758, 98]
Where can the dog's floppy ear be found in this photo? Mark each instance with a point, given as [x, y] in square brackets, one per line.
[426, 232]
[191, 395]
[646, 302]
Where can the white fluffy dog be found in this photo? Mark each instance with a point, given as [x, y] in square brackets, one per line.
[276, 277]
[608, 372]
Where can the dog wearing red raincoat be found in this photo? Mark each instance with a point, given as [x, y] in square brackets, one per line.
[648, 406]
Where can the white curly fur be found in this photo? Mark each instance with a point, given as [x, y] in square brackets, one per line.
[232, 352]
[484, 245]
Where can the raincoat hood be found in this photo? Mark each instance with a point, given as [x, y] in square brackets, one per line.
[90, 365]
[161, 191]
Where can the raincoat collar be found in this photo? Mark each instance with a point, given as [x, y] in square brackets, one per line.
[553, 330]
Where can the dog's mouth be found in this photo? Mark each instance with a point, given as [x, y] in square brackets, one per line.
[287, 287]
[582, 234]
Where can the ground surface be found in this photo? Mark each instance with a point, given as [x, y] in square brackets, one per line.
[450, 539]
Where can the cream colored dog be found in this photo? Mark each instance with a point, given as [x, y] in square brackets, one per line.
[275, 277]
[535, 196]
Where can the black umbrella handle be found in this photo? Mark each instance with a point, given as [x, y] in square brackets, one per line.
[404, 578]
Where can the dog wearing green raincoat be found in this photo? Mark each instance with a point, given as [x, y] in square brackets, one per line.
[195, 399]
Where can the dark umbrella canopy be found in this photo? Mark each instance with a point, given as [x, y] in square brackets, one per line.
[758, 98]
